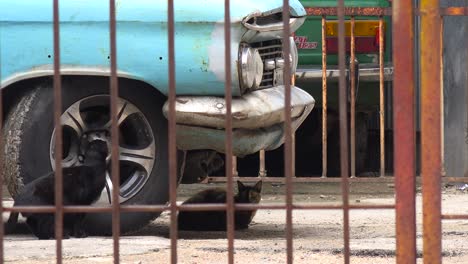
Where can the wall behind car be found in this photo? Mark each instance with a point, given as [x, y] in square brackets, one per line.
[455, 79]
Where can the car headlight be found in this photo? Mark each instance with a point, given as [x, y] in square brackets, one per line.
[251, 67]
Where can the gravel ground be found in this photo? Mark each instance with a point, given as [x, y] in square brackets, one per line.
[317, 233]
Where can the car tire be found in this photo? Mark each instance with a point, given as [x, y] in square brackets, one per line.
[28, 132]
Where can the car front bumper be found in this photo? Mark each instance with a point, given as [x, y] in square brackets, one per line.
[367, 73]
[257, 120]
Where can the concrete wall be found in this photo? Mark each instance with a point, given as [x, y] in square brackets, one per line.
[455, 91]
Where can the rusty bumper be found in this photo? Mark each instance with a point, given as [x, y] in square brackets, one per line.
[257, 120]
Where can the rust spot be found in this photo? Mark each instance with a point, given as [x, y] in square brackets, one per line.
[454, 11]
[240, 116]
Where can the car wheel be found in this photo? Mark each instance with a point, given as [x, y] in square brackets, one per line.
[85, 116]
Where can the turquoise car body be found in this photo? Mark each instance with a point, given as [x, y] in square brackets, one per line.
[26, 52]
[26, 40]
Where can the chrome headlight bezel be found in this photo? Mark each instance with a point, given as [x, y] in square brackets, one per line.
[294, 55]
[251, 67]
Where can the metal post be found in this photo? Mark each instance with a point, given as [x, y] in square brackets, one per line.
[352, 76]
[58, 135]
[343, 129]
[288, 145]
[324, 98]
[382, 98]
[228, 143]
[172, 151]
[115, 168]
[431, 129]
[404, 130]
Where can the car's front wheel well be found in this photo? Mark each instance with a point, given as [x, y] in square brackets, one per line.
[13, 92]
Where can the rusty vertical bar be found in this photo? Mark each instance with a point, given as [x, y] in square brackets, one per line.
[172, 151]
[293, 140]
[58, 135]
[114, 134]
[382, 98]
[293, 155]
[228, 143]
[352, 77]
[234, 166]
[262, 170]
[431, 129]
[343, 129]
[324, 98]
[442, 116]
[2, 230]
[404, 130]
[288, 171]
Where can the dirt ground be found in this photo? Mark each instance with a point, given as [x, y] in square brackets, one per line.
[318, 234]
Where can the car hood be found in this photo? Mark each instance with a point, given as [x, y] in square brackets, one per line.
[140, 10]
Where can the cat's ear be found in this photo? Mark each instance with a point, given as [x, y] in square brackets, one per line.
[240, 186]
[258, 186]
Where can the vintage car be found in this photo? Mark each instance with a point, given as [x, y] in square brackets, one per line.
[26, 45]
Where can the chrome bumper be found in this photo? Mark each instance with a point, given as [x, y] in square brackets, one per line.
[257, 120]
[367, 73]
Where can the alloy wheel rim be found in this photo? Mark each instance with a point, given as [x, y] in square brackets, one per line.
[87, 120]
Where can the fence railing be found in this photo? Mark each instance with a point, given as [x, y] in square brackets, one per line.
[402, 14]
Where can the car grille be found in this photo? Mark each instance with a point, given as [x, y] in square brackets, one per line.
[269, 50]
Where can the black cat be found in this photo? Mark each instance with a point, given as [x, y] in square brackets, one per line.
[82, 185]
[216, 220]
[200, 164]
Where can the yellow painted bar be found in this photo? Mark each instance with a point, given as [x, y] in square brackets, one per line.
[362, 28]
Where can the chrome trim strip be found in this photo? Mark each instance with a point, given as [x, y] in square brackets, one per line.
[270, 27]
[367, 73]
[47, 70]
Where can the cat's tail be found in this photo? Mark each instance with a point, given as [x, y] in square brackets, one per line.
[10, 225]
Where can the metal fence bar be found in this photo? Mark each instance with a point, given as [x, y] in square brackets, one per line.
[115, 168]
[172, 151]
[2, 231]
[352, 121]
[288, 144]
[442, 117]
[318, 178]
[342, 100]
[461, 179]
[58, 135]
[431, 129]
[234, 165]
[381, 98]
[324, 98]
[190, 207]
[309, 179]
[2, 147]
[404, 131]
[262, 170]
[228, 143]
[454, 217]
[404, 134]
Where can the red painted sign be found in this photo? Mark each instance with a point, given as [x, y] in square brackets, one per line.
[302, 43]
